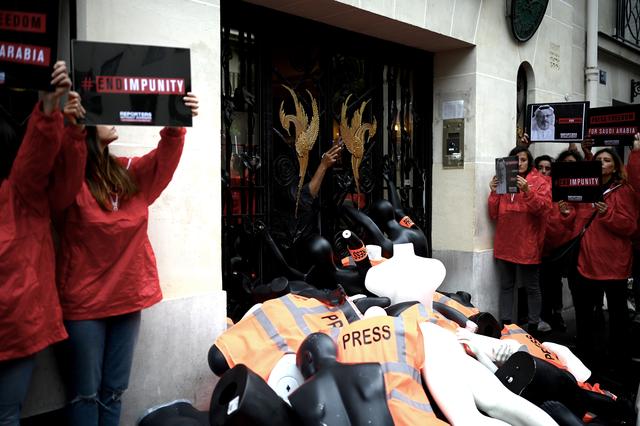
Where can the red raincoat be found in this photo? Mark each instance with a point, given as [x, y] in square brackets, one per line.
[30, 315]
[106, 265]
[605, 248]
[521, 221]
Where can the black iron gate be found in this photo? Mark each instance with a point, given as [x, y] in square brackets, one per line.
[262, 51]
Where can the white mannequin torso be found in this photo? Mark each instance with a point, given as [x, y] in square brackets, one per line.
[406, 277]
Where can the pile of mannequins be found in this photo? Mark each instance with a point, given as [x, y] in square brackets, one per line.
[375, 343]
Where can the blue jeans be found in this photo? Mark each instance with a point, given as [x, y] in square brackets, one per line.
[100, 357]
[15, 376]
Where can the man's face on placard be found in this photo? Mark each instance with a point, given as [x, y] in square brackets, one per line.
[545, 118]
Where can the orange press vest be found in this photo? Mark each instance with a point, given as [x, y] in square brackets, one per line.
[278, 327]
[395, 343]
[419, 313]
[512, 331]
[464, 310]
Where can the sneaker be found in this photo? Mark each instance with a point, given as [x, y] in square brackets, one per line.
[544, 327]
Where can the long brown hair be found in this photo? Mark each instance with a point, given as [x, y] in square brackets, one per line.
[620, 175]
[104, 174]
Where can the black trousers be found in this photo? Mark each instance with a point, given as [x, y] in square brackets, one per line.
[587, 295]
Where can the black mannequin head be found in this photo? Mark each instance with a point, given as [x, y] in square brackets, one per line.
[316, 351]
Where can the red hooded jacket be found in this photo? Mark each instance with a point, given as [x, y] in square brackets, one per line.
[30, 315]
[521, 221]
[605, 248]
[106, 265]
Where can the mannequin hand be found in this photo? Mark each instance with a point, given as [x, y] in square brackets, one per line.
[62, 83]
[602, 207]
[505, 349]
[522, 184]
[493, 184]
[636, 142]
[73, 109]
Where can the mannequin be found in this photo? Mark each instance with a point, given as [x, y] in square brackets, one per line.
[176, 413]
[278, 327]
[288, 271]
[385, 279]
[325, 274]
[337, 394]
[462, 390]
[373, 234]
[383, 215]
[241, 397]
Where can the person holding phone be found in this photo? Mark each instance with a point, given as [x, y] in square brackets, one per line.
[106, 270]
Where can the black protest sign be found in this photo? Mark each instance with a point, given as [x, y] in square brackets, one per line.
[507, 175]
[132, 84]
[576, 181]
[28, 43]
[556, 122]
[614, 125]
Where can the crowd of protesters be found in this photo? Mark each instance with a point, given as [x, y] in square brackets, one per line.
[88, 293]
[531, 246]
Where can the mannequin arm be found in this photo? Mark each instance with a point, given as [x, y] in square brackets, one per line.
[449, 386]
[496, 350]
[573, 363]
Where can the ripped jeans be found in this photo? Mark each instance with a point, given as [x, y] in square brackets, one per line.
[100, 354]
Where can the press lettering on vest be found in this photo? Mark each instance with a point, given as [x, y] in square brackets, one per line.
[547, 353]
[366, 336]
[333, 321]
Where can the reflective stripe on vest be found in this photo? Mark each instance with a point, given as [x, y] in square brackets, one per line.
[402, 368]
[271, 331]
[278, 327]
[454, 304]
[419, 312]
[401, 343]
[395, 394]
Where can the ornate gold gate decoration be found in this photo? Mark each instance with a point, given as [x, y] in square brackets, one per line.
[306, 133]
[353, 134]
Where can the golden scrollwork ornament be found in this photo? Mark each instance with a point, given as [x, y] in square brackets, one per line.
[306, 131]
[353, 133]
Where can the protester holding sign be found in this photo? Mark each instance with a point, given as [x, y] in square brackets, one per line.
[106, 267]
[604, 262]
[558, 231]
[520, 235]
[30, 315]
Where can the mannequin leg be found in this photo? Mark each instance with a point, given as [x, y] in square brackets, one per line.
[449, 386]
[497, 401]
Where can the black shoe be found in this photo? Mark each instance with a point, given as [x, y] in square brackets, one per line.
[557, 322]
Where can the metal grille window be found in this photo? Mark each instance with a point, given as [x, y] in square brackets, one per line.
[628, 22]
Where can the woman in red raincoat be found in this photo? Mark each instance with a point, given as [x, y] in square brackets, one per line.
[31, 185]
[519, 237]
[106, 269]
[604, 263]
